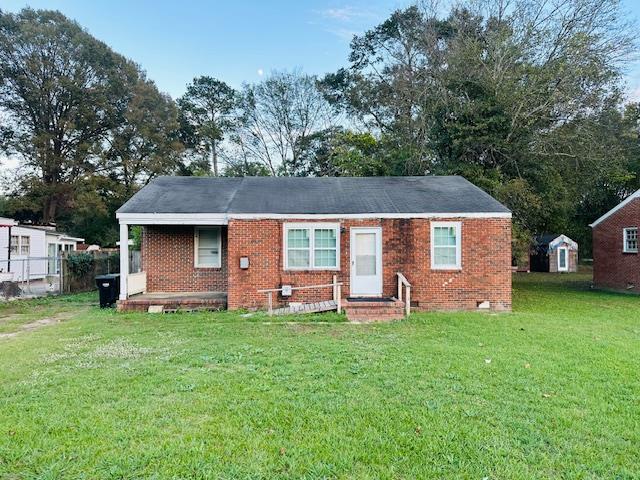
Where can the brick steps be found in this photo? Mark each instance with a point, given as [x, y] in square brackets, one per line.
[374, 311]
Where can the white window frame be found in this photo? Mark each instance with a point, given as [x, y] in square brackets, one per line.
[566, 259]
[311, 226]
[196, 242]
[22, 245]
[625, 249]
[458, 227]
[15, 244]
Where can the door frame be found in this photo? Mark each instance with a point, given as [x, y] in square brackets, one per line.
[566, 259]
[352, 259]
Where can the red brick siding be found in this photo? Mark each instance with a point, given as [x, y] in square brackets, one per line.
[168, 260]
[611, 267]
[485, 274]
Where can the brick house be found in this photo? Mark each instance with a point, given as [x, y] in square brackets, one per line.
[224, 241]
[553, 253]
[616, 264]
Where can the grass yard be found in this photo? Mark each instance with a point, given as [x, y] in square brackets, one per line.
[549, 391]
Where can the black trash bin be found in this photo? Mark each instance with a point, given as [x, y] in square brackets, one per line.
[109, 289]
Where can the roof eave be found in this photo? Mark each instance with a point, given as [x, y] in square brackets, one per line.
[621, 205]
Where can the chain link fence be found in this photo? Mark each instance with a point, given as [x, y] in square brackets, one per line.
[41, 276]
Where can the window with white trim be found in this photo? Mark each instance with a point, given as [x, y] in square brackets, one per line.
[25, 245]
[207, 247]
[630, 239]
[15, 240]
[445, 246]
[311, 246]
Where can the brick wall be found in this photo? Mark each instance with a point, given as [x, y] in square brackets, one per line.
[168, 260]
[611, 267]
[485, 274]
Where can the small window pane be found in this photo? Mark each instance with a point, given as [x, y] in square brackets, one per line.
[444, 256]
[445, 236]
[298, 238]
[298, 258]
[325, 238]
[631, 240]
[325, 258]
[366, 254]
[14, 244]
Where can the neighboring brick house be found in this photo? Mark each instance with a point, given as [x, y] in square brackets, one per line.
[553, 253]
[226, 239]
[616, 264]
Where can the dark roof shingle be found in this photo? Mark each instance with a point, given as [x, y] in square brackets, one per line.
[312, 195]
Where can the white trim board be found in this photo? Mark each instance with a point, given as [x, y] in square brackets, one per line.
[622, 204]
[172, 218]
[223, 218]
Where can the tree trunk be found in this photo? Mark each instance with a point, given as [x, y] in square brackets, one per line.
[214, 158]
[50, 209]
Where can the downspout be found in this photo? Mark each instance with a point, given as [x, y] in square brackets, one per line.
[9, 251]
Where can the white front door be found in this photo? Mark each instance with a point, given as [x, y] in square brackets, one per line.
[563, 259]
[366, 262]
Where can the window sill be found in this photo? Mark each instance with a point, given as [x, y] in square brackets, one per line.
[307, 269]
[206, 267]
[447, 269]
[629, 253]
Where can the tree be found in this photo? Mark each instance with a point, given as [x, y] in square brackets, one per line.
[145, 143]
[277, 116]
[207, 109]
[494, 91]
[62, 91]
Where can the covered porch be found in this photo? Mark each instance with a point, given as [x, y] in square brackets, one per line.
[183, 263]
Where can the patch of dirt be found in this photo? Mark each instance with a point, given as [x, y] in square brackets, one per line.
[36, 324]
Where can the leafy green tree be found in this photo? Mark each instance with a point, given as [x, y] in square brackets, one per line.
[206, 109]
[62, 91]
[146, 142]
[496, 91]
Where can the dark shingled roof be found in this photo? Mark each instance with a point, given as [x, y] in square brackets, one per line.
[311, 195]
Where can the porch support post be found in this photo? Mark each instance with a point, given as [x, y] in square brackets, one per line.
[124, 260]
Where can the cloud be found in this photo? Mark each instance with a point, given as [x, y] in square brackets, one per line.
[344, 14]
[344, 33]
[346, 21]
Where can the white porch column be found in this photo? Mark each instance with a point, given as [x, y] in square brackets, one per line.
[124, 259]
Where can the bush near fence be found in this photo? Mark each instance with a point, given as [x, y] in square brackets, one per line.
[79, 270]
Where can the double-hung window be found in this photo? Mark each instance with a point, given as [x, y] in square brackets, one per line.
[207, 247]
[25, 245]
[630, 239]
[15, 239]
[311, 246]
[446, 245]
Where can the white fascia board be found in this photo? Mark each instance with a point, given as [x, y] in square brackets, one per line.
[223, 219]
[64, 238]
[172, 218]
[348, 216]
[622, 204]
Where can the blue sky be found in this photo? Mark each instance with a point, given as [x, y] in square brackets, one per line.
[235, 40]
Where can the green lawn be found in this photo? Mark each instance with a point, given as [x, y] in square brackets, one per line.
[549, 391]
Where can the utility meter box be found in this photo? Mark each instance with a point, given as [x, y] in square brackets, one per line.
[286, 290]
